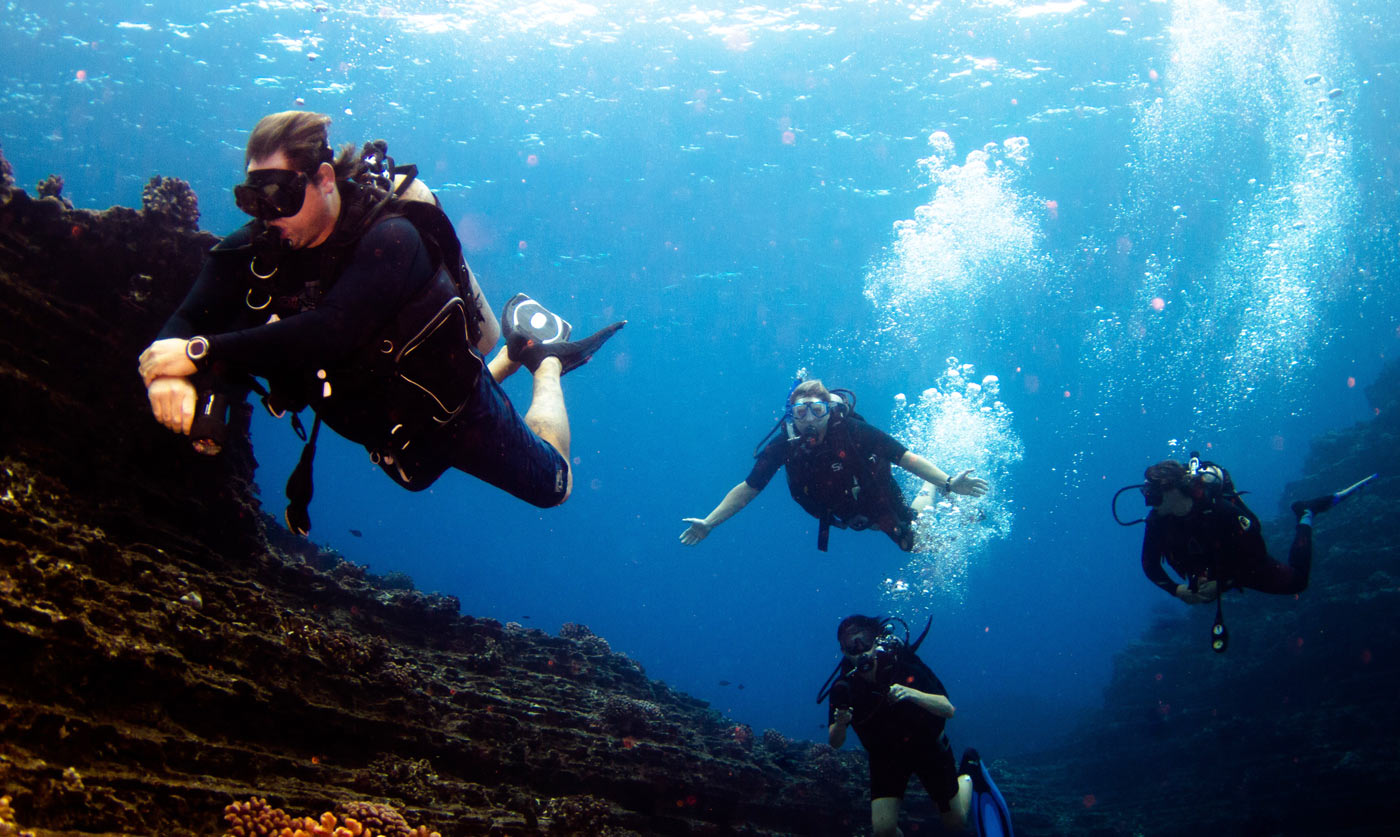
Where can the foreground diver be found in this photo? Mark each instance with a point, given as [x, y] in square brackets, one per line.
[348, 293]
[838, 470]
[898, 708]
[1201, 528]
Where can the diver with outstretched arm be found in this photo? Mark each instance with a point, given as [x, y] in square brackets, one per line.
[838, 470]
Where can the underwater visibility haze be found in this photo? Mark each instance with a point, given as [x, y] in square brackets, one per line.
[1054, 242]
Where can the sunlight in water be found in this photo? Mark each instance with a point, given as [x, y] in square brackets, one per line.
[1255, 107]
[958, 423]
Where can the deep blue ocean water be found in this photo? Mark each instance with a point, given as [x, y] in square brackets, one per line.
[1160, 225]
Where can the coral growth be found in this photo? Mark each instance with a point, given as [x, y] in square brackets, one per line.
[255, 818]
[7, 172]
[742, 735]
[580, 815]
[171, 200]
[573, 630]
[622, 715]
[52, 187]
[775, 741]
[8, 826]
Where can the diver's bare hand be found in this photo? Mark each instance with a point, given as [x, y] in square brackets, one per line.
[965, 483]
[172, 402]
[165, 358]
[697, 532]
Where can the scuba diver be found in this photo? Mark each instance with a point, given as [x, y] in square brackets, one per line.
[1199, 526]
[899, 708]
[348, 293]
[838, 470]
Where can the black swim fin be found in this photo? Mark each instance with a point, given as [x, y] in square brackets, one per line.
[1317, 505]
[988, 813]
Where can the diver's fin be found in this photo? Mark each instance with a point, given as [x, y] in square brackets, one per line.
[571, 355]
[525, 322]
[988, 813]
[1317, 505]
[1352, 489]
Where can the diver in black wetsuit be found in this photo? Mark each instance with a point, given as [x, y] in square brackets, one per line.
[1201, 529]
[898, 708]
[838, 470]
[358, 303]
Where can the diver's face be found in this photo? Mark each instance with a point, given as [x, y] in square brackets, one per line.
[810, 416]
[313, 223]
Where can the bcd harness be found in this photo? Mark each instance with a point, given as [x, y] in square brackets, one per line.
[843, 485]
[415, 375]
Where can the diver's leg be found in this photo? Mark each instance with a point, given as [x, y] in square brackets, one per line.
[955, 817]
[501, 366]
[884, 816]
[494, 443]
[547, 416]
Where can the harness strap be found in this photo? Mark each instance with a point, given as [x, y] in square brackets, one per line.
[300, 488]
[824, 531]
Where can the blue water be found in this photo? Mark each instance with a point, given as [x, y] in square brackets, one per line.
[1146, 219]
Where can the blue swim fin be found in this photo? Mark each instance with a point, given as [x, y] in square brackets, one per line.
[988, 813]
[1318, 505]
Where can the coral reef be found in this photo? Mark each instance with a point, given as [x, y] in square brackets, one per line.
[52, 187]
[7, 173]
[622, 715]
[171, 201]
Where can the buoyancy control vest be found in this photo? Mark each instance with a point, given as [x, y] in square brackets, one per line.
[415, 375]
[842, 484]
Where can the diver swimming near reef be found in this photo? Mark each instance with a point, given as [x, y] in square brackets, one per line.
[348, 293]
[1199, 526]
[899, 708]
[838, 470]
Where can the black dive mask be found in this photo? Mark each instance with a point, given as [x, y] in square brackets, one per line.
[269, 194]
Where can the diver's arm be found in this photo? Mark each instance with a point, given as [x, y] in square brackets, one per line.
[389, 265]
[963, 483]
[836, 733]
[738, 497]
[1152, 568]
[935, 704]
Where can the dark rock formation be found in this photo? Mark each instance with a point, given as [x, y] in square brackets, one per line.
[169, 650]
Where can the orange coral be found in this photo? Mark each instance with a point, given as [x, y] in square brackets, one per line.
[255, 818]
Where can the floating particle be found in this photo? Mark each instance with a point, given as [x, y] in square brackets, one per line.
[1158, 303]
[81, 75]
[532, 160]
[789, 138]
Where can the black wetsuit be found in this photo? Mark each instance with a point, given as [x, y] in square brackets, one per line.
[846, 476]
[902, 738]
[1221, 540]
[333, 318]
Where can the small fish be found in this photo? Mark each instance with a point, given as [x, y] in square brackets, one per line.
[357, 533]
[741, 685]
[724, 682]
[526, 616]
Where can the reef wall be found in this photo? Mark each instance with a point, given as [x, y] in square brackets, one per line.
[1294, 729]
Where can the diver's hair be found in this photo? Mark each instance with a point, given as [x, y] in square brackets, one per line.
[810, 389]
[857, 624]
[301, 135]
[1168, 474]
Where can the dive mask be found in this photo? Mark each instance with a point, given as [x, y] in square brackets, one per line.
[268, 194]
[815, 409]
